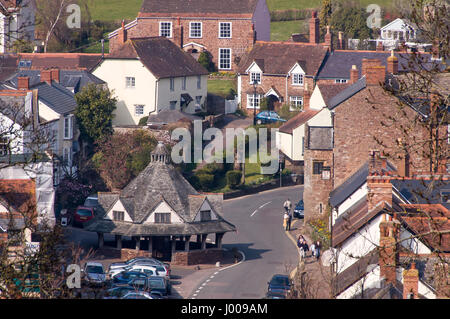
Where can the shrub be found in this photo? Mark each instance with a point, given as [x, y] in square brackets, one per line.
[143, 121]
[233, 178]
[205, 181]
[205, 60]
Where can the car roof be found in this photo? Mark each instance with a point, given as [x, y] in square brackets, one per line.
[92, 263]
[143, 265]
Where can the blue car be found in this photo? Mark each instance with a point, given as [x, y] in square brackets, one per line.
[127, 277]
[299, 210]
[268, 117]
[279, 284]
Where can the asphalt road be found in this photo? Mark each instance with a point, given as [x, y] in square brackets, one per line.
[262, 240]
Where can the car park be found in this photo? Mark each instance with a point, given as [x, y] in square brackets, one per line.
[126, 277]
[265, 117]
[94, 274]
[279, 284]
[299, 210]
[118, 267]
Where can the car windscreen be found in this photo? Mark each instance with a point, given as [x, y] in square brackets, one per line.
[279, 281]
[84, 212]
[94, 269]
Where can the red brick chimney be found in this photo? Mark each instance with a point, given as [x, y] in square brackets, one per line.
[46, 76]
[388, 250]
[122, 33]
[55, 75]
[411, 283]
[306, 97]
[373, 70]
[341, 41]
[329, 39]
[23, 83]
[178, 33]
[354, 74]
[314, 33]
[392, 63]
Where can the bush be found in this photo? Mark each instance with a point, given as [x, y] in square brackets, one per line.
[233, 178]
[143, 121]
[205, 181]
[205, 60]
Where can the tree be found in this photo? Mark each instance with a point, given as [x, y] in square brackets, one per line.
[325, 13]
[205, 60]
[352, 21]
[94, 113]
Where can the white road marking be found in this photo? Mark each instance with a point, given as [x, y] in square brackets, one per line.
[260, 208]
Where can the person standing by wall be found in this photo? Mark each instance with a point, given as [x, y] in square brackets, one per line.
[285, 220]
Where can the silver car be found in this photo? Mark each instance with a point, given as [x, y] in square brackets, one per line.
[94, 274]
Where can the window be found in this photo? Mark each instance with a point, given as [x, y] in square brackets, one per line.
[67, 154]
[172, 84]
[130, 82]
[340, 81]
[138, 109]
[225, 59]
[253, 101]
[205, 215]
[296, 103]
[195, 30]
[183, 83]
[173, 105]
[198, 100]
[317, 167]
[297, 79]
[255, 76]
[162, 218]
[68, 127]
[199, 82]
[225, 30]
[165, 29]
[118, 215]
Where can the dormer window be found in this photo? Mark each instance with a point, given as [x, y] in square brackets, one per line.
[255, 76]
[162, 218]
[297, 79]
[205, 215]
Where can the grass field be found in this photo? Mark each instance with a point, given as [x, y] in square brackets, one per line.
[110, 10]
[282, 30]
[305, 4]
[221, 87]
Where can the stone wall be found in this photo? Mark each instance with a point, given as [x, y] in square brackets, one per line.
[195, 257]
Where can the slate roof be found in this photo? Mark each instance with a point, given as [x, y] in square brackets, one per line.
[320, 138]
[297, 120]
[337, 65]
[62, 61]
[347, 93]
[161, 57]
[198, 7]
[422, 191]
[328, 91]
[159, 182]
[57, 97]
[280, 57]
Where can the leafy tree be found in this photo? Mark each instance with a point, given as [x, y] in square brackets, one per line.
[325, 13]
[205, 60]
[352, 21]
[94, 113]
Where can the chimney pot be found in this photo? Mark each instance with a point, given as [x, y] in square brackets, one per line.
[354, 74]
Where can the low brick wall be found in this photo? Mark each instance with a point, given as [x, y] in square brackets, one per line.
[195, 257]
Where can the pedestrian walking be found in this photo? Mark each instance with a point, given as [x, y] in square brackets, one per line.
[285, 220]
[313, 250]
[287, 205]
[289, 220]
[317, 246]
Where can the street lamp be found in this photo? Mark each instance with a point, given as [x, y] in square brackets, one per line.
[255, 83]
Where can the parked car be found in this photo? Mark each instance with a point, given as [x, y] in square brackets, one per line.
[138, 295]
[279, 284]
[268, 117]
[94, 274]
[118, 292]
[114, 267]
[127, 277]
[299, 210]
[82, 215]
[91, 201]
[155, 285]
[274, 295]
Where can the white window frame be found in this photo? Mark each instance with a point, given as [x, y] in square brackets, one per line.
[67, 156]
[220, 30]
[191, 29]
[68, 124]
[337, 81]
[136, 106]
[183, 83]
[298, 79]
[220, 58]
[251, 98]
[130, 82]
[161, 30]
[294, 104]
[254, 75]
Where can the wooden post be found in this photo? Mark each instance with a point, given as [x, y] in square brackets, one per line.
[119, 241]
[150, 245]
[138, 243]
[186, 242]
[101, 240]
[174, 244]
[204, 241]
[219, 237]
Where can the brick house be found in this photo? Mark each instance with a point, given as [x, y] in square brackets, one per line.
[225, 29]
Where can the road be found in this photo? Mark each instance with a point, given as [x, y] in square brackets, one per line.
[263, 241]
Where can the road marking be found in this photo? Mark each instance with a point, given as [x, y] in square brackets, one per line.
[260, 208]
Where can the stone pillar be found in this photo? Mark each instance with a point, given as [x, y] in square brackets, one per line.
[186, 242]
[119, 241]
[204, 241]
[150, 245]
[219, 237]
[138, 242]
[174, 244]
[101, 240]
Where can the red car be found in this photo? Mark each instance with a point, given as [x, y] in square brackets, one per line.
[83, 214]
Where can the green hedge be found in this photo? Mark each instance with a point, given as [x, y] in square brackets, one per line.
[233, 178]
[205, 181]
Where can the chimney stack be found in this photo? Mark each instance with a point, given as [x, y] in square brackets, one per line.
[55, 75]
[329, 39]
[122, 34]
[46, 76]
[178, 33]
[411, 283]
[392, 63]
[388, 250]
[354, 74]
[314, 33]
[341, 41]
[306, 97]
[373, 70]
[23, 83]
